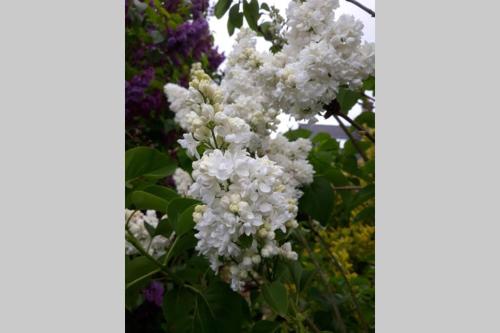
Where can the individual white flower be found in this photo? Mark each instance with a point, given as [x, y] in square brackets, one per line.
[190, 144]
[182, 181]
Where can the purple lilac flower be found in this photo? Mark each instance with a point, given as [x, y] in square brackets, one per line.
[139, 102]
[154, 293]
[194, 39]
[172, 5]
[165, 57]
[199, 8]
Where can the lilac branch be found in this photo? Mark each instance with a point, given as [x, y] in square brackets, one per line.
[366, 9]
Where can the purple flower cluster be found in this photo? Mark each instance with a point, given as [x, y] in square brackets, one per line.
[193, 39]
[136, 97]
[160, 49]
[199, 8]
[154, 293]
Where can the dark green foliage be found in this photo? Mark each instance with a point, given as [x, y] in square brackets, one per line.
[221, 7]
[318, 200]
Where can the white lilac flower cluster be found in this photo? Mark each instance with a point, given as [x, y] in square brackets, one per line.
[137, 227]
[321, 54]
[248, 182]
[248, 198]
[199, 111]
[246, 204]
[243, 97]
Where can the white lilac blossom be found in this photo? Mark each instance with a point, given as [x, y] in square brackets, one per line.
[249, 183]
[322, 53]
[182, 181]
[247, 198]
[244, 196]
[292, 156]
[200, 112]
[243, 95]
[136, 226]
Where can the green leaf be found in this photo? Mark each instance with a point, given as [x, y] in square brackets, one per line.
[222, 301]
[265, 326]
[317, 200]
[176, 208]
[221, 7]
[365, 194]
[265, 6]
[336, 177]
[185, 221]
[366, 119]
[296, 271]
[185, 162]
[163, 192]
[369, 170]
[150, 229]
[138, 273]
[320, 137]
[203, 321]
[350, 163]
[251, 12]
[321, 160]
[144, 200]
[187, 312]
[177, 307]
[369, 83]
[245, 241]
[152, 197]
[329, 145]
[298, 133]
[367, 214]
[164, 228]
[217, 309]
[306, 278]
[235, 19]
[184, 243]
[350, 149]
[347, 99]
[192, 269]
[276, 296]
[146, 165]
[138, 269]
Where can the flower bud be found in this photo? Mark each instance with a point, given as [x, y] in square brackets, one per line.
[234, 269]
[292, 224]
[197, 217]
[247, 261]
[233, 208]
[243, 274]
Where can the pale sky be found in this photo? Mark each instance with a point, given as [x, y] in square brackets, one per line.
[225, 43]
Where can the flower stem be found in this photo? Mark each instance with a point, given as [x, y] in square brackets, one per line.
[354, 142]
[363, 7]
[323, 276]
[215, 140]
[358, 127]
